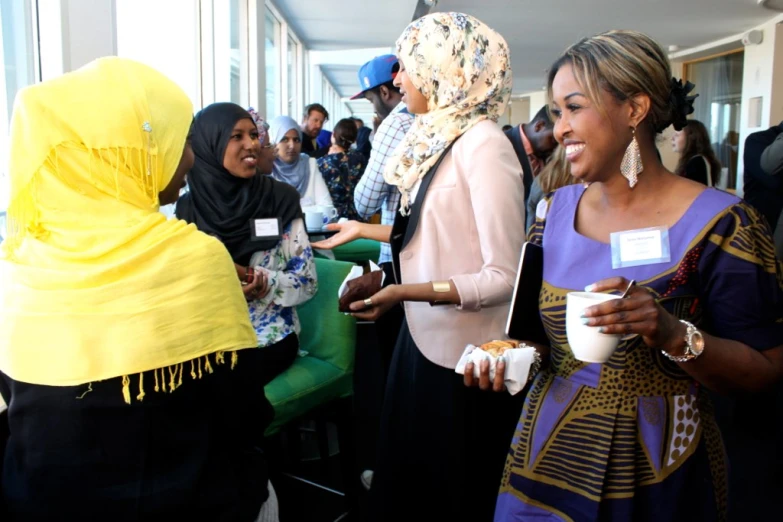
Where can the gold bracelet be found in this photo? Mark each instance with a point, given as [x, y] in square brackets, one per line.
[441, 287]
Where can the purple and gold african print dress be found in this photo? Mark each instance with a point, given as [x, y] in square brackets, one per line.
[636, 438]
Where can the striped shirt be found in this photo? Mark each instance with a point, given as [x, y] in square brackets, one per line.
[372, 192]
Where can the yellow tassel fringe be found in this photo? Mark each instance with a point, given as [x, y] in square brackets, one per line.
[174, 377]
[126, 389]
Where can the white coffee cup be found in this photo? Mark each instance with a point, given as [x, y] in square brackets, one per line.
[329, 212]
[587, 343]
[314, 220]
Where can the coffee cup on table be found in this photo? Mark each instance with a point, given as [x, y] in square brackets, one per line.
[314, 219]
[329, 212]
[587, 343]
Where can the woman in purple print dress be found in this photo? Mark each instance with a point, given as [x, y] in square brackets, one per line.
[635, 438]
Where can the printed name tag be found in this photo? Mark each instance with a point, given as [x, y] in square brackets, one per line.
[265, 228]
[646, 246]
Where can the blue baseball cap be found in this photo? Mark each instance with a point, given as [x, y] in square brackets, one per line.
[377, 71]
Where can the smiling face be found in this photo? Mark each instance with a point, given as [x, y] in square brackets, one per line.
[413, 98]
[243, 150]
[289, 147]
[595, 138]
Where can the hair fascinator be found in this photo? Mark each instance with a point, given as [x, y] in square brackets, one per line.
[682, 102]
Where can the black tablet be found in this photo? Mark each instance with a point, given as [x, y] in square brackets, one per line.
[524, 320]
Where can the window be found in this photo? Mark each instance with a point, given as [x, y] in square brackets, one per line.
[17, 70]
[718, 82]
[171, 48]
[235, 53]
[273, 61]
[285, 65]
[229, 49]
[293, 76]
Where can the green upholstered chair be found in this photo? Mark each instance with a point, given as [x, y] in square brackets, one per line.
[328, 338]
[359, 251]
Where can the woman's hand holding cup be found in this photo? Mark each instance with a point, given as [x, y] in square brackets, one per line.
[639, 313]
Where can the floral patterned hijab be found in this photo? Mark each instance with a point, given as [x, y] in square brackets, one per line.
[261, 124]
[463, 69]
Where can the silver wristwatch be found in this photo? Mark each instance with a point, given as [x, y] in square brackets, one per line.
[694, 345]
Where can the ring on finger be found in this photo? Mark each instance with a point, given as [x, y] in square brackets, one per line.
[368, 303]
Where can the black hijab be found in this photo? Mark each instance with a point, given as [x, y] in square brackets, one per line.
[223, 205]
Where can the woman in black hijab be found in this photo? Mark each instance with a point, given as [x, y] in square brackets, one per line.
[258, 219]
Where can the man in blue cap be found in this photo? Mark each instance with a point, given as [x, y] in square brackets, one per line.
[372, 194]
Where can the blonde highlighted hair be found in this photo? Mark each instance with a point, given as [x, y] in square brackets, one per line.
[624, 64]
[557, 173]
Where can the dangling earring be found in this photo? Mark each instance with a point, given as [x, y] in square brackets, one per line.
[632, 161]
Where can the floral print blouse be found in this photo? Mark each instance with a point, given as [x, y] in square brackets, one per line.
[292, 281]
[342, 172]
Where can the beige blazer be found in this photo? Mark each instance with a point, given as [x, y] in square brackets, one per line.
[471, 230]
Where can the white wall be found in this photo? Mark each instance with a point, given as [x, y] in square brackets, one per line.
[537, 100]
[517, 112]
[90, 28]
[73, 33]
[167, 41]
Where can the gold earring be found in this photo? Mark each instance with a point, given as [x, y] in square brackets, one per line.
[631, 165]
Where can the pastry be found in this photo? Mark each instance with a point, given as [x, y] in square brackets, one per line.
[497, 348]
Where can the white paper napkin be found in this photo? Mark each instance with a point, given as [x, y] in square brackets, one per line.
[518, 363]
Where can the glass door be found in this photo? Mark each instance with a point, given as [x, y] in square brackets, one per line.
[718, 81]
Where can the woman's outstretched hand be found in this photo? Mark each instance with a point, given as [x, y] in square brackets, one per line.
[346, 232]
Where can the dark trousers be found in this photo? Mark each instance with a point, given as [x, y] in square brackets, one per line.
[442, 445]
[276, 358]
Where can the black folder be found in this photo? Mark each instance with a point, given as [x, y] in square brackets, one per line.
[524, 319]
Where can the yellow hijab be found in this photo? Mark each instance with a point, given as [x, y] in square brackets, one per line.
[462, 67]
[95, 283]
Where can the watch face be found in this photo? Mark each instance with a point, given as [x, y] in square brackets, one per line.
[696, 343]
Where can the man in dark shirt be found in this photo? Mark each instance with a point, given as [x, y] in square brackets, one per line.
[533, 143]
[763, 191]
[313, 121]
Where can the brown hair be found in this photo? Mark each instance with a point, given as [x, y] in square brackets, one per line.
[318, 108]
[557, 173]
[345, 133]
[624, 64]
[697, 143]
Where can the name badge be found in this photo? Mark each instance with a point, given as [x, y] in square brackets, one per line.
[646, 246]
[263, 229]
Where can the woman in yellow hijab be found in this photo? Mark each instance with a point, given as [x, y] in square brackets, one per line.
[107, 309]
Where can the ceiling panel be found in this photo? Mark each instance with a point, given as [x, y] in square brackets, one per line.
[536, 30]
[539, 30]
[326, 25]
[344, 78]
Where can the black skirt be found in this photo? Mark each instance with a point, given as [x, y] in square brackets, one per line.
[442, 445]
[82, 453]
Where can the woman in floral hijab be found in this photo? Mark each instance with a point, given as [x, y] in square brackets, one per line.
[462, 68]
[456, 245]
